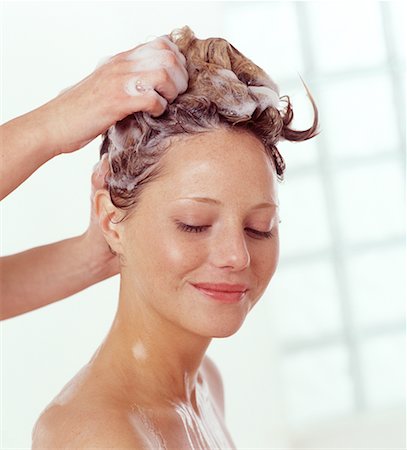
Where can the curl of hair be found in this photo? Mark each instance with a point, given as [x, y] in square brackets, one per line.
[218, 96]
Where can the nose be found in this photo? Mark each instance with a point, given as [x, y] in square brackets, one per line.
[229, 248]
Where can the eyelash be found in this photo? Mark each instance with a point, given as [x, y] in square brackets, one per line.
[199, 229]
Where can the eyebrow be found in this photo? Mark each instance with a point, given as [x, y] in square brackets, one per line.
[217, 202]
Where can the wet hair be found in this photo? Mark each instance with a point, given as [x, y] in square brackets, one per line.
[226, 90]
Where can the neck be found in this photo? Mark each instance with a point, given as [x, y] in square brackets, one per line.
[154, 359]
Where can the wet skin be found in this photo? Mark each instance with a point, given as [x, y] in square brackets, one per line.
[150, 380]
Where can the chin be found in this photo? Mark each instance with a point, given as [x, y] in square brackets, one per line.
[222, 328]
[226, 333]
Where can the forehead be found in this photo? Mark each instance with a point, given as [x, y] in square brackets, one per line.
[219, 160]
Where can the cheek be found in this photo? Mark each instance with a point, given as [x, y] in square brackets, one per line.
[180, 256]
[264, 262]
[162, 253]
[263, 267]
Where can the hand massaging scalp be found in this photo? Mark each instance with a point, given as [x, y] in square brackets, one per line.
[152, 56]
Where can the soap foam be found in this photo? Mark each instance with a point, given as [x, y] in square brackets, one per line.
[257, 97]
[153, 59]
[149, 58]
[228, 73]
[266, 97]
[129, 182]
[123, 183]
[261, 97]
[121, 139]
[155, 44]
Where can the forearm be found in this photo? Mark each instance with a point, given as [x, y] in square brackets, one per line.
[24, 147]
[43, 275]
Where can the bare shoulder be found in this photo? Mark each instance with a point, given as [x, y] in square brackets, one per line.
[73, 426]
[81, 417]
[215, 382]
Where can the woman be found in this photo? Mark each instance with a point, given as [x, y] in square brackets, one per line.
[190, 207]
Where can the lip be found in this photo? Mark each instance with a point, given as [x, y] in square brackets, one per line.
[230, 296]
[222, 287]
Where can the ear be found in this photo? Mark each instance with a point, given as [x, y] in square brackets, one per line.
[108, 215]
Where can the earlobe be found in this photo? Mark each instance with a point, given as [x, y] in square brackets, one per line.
[108, 217]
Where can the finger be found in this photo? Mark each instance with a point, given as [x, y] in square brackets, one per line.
[164, 41]
[169, 83]
[149, 101]
[160, 53]
[160, 43]
[166, 59]
[159, 80]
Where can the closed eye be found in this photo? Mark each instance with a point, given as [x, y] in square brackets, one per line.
[201, 228]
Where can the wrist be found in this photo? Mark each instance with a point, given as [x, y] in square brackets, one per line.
[38, 126]
[47, 117]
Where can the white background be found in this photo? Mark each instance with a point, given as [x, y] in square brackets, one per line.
[319, 363]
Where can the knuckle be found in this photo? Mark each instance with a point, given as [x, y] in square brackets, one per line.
[164, 75]
[160, 43]
[170, 57]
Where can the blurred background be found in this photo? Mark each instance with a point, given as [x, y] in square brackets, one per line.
[320, 361]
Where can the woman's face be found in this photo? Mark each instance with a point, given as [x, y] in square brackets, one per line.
[163, 260]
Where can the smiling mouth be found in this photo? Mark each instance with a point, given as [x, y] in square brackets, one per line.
[221, 296]
[222, 287]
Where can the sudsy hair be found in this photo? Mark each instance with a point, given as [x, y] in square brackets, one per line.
[225, 90]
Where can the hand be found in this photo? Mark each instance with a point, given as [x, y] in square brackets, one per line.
[82, 112]
[93, 237]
